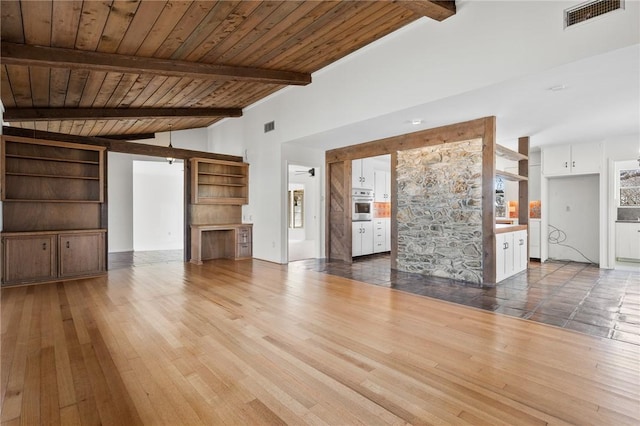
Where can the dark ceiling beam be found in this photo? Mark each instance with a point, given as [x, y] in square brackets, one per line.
[434, 9]
[131, 137]
[52, 114]
[118, 146]
[22, 54]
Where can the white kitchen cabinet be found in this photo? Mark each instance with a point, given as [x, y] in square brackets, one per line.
[520, 251]
[387, 230]
[362, 238]
[628, 242]
[382, 188]
[534, 238]
[511, 254]
[574, 159]
[381, 235]
[362, 175]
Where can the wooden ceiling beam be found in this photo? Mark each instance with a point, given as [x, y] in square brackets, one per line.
[53, 114]
[434, 9]
[131, 137]
[28, 55]
[118, 145]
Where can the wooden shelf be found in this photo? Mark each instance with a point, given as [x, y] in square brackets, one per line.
[509, 154]
[39, 171]
[221, 174]
[24, 200]
[61, 160]
[510, 176]
[226, 200]
[35, 175]
[239, 185]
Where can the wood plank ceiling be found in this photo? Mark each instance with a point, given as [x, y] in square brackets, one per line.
[116, 67]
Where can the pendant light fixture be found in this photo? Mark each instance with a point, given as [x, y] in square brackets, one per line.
[170, 159]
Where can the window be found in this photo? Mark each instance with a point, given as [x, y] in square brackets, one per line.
[630, 188]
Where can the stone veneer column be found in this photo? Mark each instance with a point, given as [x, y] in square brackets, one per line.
[440, 210]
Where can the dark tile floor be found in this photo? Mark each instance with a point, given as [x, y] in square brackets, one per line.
[577, 296]
[128, 259]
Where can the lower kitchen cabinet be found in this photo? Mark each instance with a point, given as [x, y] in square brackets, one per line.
[628, 241]
[381, 235]
[362, 238]
[511, 254]
[32, 257]
[534, 238]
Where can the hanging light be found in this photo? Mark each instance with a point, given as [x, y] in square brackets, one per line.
[170, 159]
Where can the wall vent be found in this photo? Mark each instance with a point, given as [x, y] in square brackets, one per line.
[269, 126]
[586, 11]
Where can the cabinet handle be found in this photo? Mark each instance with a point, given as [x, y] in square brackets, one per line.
[44, 246]
[506, 246]
[573, 164]
[67, 244]
[566, 164]
[521, 242]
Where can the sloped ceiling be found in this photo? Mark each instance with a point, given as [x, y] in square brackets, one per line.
[97, 68]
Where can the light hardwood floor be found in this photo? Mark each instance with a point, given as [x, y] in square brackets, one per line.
[251, 342]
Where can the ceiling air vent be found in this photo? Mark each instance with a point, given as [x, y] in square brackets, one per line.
[590, 10]
[269, 126]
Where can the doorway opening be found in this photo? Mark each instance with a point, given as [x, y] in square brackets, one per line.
[146, 210]
[303, 212]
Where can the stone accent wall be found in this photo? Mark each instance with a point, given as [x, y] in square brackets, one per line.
[440, 210]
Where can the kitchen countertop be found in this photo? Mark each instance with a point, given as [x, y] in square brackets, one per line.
[503, 228]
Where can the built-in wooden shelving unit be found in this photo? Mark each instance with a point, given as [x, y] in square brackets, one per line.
[219, 182]
[219, 188]
[52, 210]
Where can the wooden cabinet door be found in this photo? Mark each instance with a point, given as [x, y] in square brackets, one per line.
[29, 259]
[81, 254]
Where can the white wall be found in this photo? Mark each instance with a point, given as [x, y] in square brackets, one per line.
[483, 44]
[158, 205]
[574, 209]
[120, 183]
[120, 201]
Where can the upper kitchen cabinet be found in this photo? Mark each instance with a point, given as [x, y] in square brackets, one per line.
[571, 159]
[362, 174]
[219, 182]
[382, 188]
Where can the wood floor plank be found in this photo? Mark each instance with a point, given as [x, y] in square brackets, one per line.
[251, 342]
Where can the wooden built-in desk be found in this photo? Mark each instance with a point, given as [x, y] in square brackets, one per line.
[231, 241]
